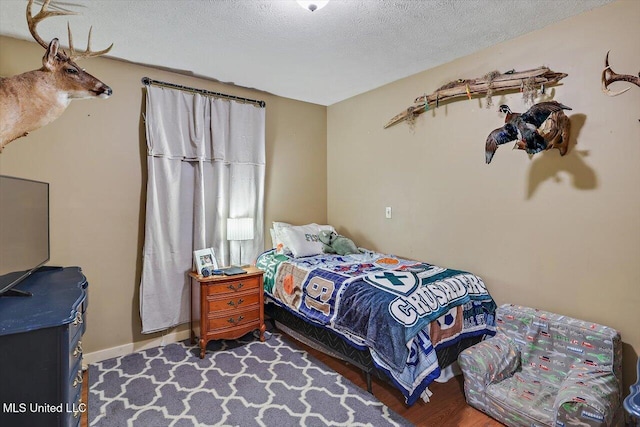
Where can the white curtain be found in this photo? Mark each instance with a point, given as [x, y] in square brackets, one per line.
[206, 163]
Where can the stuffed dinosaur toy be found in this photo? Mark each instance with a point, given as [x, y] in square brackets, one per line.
[334, 243]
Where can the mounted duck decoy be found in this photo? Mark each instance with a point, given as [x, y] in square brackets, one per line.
[542, 127]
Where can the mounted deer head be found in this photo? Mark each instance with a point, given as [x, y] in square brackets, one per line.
[33, 99]
[609, 76]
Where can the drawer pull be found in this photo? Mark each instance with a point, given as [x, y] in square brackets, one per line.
[78, 350]
[78, 319]
[78, 379]
[79, 409]
[235, 304]
[233, 288]
[233, 321]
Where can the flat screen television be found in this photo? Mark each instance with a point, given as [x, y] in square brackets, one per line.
[24, 230]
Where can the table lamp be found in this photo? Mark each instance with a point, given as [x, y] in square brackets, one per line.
[239, 229]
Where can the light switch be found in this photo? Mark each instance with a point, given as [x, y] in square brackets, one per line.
[387, 212]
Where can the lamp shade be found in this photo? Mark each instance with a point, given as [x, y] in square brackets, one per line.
[239, 228]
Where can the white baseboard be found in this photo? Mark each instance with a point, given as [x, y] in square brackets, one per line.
[122, 350]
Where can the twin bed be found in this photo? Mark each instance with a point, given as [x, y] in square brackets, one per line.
[398, 319]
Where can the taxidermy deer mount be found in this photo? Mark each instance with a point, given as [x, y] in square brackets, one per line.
[609, 76]
[33, 99]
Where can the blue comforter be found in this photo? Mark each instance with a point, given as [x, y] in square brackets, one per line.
[388, 309]
[402, 310]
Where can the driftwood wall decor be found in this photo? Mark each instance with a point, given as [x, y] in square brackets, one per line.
[527, 82]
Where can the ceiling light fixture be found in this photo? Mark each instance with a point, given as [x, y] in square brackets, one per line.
[313, 5]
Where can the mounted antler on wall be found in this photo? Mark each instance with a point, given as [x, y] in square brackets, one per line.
[33, 99]
[609, 76]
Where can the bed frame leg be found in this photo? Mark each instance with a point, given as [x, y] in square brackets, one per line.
[368, 376]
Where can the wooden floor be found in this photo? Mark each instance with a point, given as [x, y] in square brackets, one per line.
[447, 407]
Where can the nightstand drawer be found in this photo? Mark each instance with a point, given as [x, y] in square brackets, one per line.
[237, 285]
[232, 302]
[226, 307]
[233, 319]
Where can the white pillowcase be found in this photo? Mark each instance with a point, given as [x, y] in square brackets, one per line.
[278, 237]
[302, 240]
[299, 240]
[272, 233]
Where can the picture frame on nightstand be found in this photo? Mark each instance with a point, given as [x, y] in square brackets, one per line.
[205, 259]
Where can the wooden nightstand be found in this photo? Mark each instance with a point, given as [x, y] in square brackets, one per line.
[226, 307]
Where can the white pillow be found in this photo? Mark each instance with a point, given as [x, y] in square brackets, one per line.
[278, 238]
[272, 233]
[303, 240]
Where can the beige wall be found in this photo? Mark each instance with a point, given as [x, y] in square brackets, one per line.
[560, 234]
[94, 156]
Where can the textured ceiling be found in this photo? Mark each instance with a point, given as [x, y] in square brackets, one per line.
[323, 57]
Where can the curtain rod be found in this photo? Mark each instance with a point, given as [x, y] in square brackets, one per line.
[147, 81]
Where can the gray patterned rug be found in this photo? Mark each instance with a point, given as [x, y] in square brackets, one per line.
[238, 383]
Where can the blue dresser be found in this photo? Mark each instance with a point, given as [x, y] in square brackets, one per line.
[41, 350]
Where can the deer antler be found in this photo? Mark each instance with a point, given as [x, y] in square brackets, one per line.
[87, 53]
[609, 76]
[33, 21]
